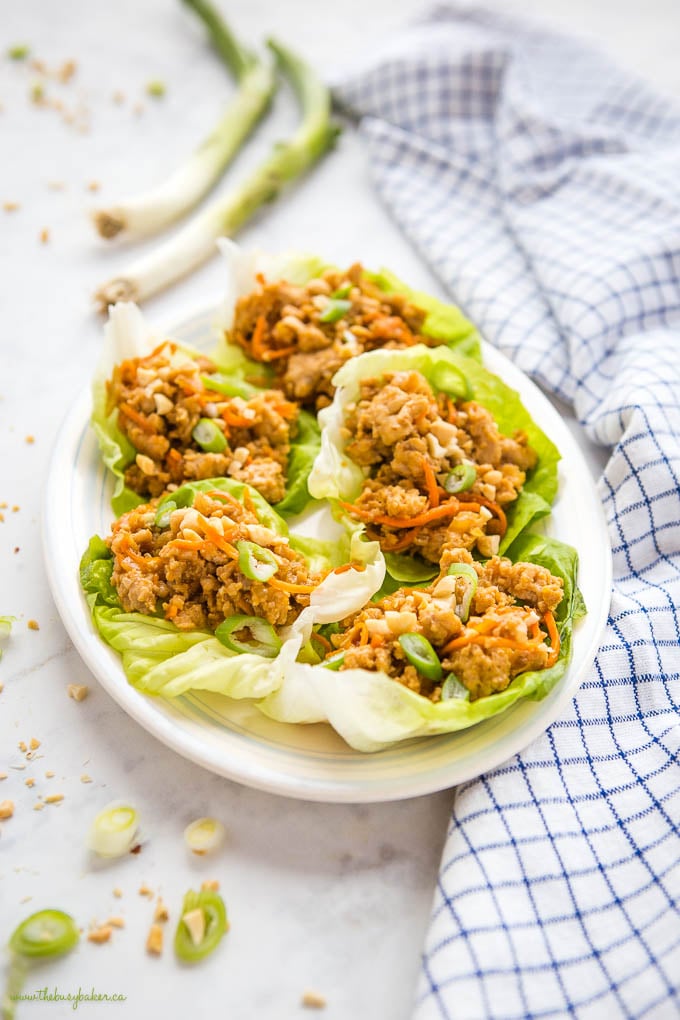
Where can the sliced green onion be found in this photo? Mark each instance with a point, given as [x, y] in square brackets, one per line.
[452, 380]
[422, 655]
[47, 933]
[453, 688]
[334, 661]
[460, 478]
[204, 835]
[265, 641]
[156, 89]
[209, 436]
[162, 518]
[227, 386]
[288, 160]
[18, 52]
[255, 562]
[202, 924]
[5, 628]
[334, 310]
[113, 831]
[147, 213]
[462, 609]
[342, 292]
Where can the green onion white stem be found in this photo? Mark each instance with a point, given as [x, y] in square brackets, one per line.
[150, 211]
[204, 835]
[195, 243]
[113, 831]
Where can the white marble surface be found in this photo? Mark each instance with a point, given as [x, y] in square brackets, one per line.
[331, 898]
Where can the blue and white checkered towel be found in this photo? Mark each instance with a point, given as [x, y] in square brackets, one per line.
[543, 187]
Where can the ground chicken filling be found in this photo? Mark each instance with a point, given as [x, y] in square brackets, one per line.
[415, 448]
[483, 633]
[306, 333]
[164, 402]
[188, 564]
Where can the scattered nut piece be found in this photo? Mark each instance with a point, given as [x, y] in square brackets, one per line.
[44, 235]
[54, 798]
[2, 687]
[30, 440]
[161, 911]
[50, 774]
[145, 891]
[77, 691]
[85, 778]
[33, 625]
[154, 941]
[6, 808]
[210, 885]
[34, 744]
[56, 185]
[3, 775]
[29, 782]
[16, 508]
[38, 806]
[116, 922]
[93, 186]
[22, 745]
[100, 934]
[312, 1000]
[11, 206]
[118, 97]
[67, 70]
[118, 892]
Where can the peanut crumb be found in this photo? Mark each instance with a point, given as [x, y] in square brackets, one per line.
[312, 1000]
[3, 775]
[2, 517]
[56, 185]
[22, 745]
[29, 782]
[77, 691]
[30, 440]
[34, 744]
[2, 687]
[93, 186]
[118, 97]
[154, 941]
[50, 774]
[54, 798]
[138, 109]
[100, 934]
[161, 911]
[44, 235]
[38, 806]
[118, 892]
[145, 891]
[6, 808]
[16, 508]
[116, 922]
[33, 625]
[11, 206]
[3, 505]
[85, 778]
[210, 885]
[67, 70]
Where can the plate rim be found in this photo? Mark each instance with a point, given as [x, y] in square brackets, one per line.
[68, 595]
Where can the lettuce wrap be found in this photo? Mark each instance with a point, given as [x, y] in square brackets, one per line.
[336, 477]
[158, 658]
[127, 336]
[370, 710]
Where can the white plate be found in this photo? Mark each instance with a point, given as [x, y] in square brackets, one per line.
[311, 762]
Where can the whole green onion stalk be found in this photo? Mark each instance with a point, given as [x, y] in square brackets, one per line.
[150, 211]
[195, 242]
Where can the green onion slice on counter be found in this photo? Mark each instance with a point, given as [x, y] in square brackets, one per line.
[422, 655]
[265, 641]
[47, 933]
[460, 478]
[209, 436]
[201, 926]
[255, 562]
[113, 831]
[467, 571]
[335, 309]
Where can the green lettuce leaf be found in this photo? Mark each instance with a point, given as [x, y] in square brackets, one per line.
[371, 711]
[335, 476]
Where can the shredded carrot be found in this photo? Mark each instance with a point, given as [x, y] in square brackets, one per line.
[493, 507]
[431, 483]
[218, 540]
[174, 455]
[405, 541]
[349, 566]
[448, 509]
[274, 354]
[248, 501]
[157, 350]
[235, 420]
[172, 611]
[292, 589]
[451, 411]
[554, 636]
[133, 554]
[256, 346]
[324, 642]
[137, 418]
[226, 496]
[377, 640]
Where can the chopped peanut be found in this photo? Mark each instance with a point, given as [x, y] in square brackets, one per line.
[44, 235]
[34, 744]
[100, 934]
[116, 922]
[38, 806]
[210, 885]
[118, 892]
[3, 775]
[54, 798]
[49, 774]
[144, 890]
[33, 625]
[85, 778]
[312, 1000]
[29, 782]
[154, 941]
[161, 911]
[77, 691]
[6, 808]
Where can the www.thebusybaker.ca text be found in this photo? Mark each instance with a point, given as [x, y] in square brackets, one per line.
[75, 998]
